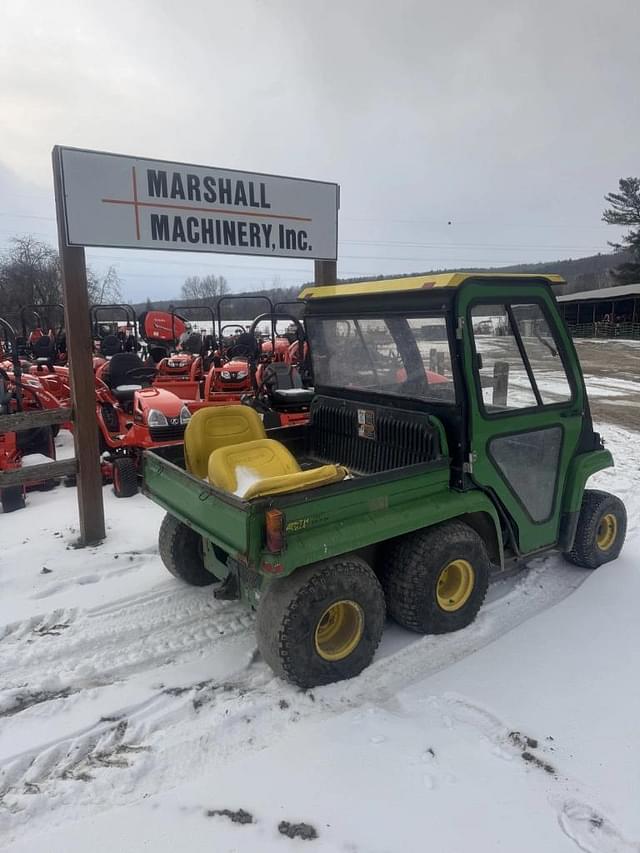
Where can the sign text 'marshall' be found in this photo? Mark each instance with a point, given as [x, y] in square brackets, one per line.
[208, 189]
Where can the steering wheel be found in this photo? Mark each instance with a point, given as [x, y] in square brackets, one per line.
[144, 374]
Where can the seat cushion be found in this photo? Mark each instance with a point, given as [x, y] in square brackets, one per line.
[265, 467]
[125, 392]
[215, 427]
[292, 397]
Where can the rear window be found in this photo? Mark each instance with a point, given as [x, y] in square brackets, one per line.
[408, 357]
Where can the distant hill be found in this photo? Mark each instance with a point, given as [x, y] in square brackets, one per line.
[590, 273]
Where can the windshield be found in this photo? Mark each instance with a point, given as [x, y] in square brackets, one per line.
[408, 357]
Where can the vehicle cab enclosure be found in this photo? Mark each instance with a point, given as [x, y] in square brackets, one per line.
[488, 360]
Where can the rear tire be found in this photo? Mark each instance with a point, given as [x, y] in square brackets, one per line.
[12, 498]
[125, 477]
[435, 580]
[323, 623]
[181, 552]
[601, 530]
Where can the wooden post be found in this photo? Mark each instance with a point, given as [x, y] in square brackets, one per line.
[83, 393]
[326, 272]
[500, 384]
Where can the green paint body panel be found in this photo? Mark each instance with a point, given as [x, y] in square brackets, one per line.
[580, 469]
[319, 523]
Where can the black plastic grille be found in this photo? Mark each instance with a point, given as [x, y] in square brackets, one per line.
[400, 438]
[167, 433]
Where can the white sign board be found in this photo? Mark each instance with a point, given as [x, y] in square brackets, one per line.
[134, 203]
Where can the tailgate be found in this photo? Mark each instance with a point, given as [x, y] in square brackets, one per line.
[220, 517]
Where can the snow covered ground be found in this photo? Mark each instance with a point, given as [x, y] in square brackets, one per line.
[135, 713]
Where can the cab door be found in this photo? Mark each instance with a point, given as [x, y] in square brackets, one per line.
[526, 403]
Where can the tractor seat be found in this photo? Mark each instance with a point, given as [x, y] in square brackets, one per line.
[265, 467]
[110, 345]
[124, 393]
[192, 343]
[218, 426]
[284, 387]
[116, 375]
[44, 348]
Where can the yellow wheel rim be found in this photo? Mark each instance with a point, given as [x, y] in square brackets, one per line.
[455, 585]
[339, 630]
[607, 531]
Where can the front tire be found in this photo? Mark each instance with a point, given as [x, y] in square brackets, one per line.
[125, 477]
[601, 530]
[12, 498]
[323, 623]
[435, 580]
[181, 552]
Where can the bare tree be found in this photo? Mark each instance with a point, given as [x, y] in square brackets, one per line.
[208, 287]
[106, 289]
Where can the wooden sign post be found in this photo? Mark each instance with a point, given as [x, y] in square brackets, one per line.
[83, 391]
[326, 272]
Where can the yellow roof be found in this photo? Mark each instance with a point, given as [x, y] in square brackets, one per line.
[418, 282]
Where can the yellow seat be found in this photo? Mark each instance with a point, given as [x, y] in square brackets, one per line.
[265, 467]
[218, 426]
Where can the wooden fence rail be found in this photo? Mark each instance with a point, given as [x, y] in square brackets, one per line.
[20, 421]
[28, 420]
[38, 473]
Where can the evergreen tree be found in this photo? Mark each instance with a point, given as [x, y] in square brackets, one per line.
[625, 210]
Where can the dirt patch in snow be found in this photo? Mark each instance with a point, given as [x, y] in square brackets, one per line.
[297, 830]
[240, 816]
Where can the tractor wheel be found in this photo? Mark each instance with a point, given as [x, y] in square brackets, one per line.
[323, 623]
[435, 580]
[125, 477]
[181, 551]
[12, 498]
[602, 526]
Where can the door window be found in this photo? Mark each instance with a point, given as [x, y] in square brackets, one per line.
[543, 354]
[503, 376]
[529, 462]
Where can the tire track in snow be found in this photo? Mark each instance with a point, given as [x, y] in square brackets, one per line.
[185, 730]
[64, 652]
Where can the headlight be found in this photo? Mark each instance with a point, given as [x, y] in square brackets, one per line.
[225, 374]
[185, 414]
[242, 374]
[156, 419]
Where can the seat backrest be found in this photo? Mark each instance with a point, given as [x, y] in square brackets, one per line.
[43, 347]
[279, 376]
[192, 343]
[218, 426]
[120, 365]
[110, 345]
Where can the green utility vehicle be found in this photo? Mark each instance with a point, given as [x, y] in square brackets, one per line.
[449, 441]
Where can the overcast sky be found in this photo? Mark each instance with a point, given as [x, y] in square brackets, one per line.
[509, 119]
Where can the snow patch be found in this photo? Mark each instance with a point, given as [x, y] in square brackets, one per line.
[245, 478]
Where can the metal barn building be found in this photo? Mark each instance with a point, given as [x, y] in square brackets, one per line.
[612, 312]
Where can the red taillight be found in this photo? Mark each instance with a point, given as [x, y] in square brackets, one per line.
[274, 521]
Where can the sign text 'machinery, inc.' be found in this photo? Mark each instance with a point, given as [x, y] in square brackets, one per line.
[128, 202]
